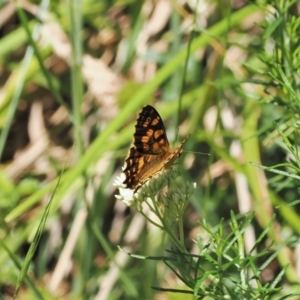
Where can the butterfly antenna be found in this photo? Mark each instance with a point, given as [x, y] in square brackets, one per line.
[195, 152]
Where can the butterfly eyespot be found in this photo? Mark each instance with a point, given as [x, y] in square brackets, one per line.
[150, 152]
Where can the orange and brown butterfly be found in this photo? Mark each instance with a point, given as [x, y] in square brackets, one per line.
[150, 152]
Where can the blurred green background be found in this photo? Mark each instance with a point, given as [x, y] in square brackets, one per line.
[73, 77]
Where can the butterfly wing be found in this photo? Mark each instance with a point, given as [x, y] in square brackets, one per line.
[134, 163]
[150, 152]
[150, 135]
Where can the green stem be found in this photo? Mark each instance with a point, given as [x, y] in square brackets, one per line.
[181, 234]
[150, 221]
[165, 226]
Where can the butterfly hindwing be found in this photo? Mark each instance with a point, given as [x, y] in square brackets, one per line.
[133, 164]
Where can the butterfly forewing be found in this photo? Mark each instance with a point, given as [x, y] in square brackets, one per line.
[150, 134]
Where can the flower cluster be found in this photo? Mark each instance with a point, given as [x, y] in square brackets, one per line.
[177, 193]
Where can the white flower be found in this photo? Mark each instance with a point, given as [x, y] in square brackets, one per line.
[125, 195]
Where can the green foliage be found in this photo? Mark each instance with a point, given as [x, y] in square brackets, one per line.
[224, 269]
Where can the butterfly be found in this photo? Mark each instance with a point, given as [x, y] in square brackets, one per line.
[150, 152]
